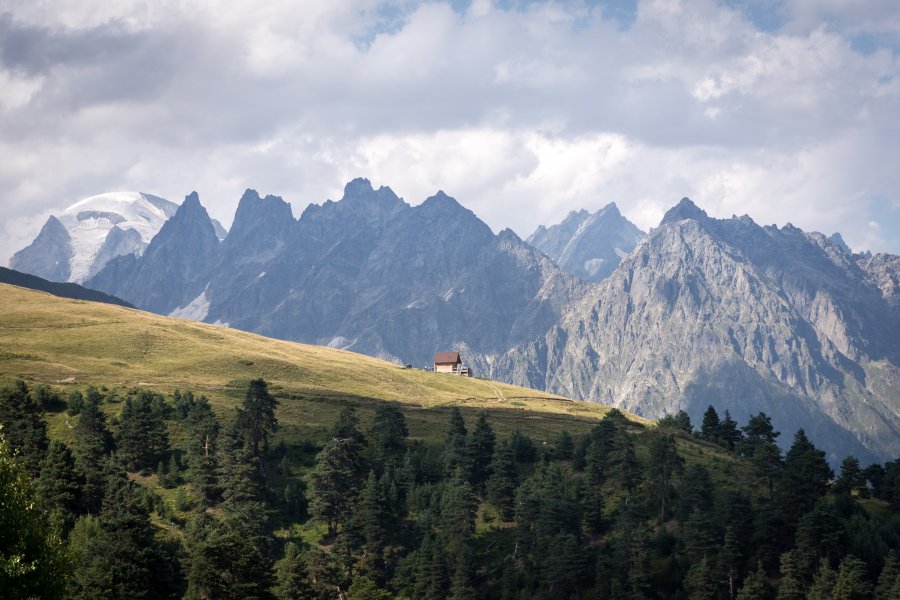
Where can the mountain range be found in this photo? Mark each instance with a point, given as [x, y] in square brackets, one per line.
[698, 311]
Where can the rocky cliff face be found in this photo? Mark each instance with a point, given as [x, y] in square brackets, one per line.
[588, 245]
[174, 269]
[748, 318]
[49, 255]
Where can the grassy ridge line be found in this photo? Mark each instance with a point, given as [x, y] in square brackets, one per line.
[65, 342]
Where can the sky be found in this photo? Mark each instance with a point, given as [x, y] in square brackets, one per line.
[788, 111]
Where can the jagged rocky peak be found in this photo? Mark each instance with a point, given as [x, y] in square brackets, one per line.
[838, 240]
[685, 209]
[252, 207]
[588, 245]
[49, 255]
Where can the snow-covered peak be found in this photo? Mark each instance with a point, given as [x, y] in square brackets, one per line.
[89, 222]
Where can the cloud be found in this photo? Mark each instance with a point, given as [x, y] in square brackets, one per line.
[523, 111]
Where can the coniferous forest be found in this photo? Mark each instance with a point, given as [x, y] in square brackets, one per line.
[155, 496]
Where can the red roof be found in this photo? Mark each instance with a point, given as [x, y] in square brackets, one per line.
[447, 358]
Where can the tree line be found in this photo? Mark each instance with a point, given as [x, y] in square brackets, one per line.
[620, 511]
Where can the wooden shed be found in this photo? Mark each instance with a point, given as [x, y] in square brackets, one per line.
[447, 362]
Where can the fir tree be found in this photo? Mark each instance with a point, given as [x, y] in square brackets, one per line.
[805, 478]
[563, 446]
[256, 418]
[501, 486]
[92, 444]
[334, 483]
[709, 428]
[694, 491]
[700, 581]
[664, 464]
[201, 450]
[823, 583]
[760, 448]
[291, 577]
[481, 451]
[791, 585]
[729, 434]
[562, 566]
[851, 478]
[371, 521]
[756, 586]
[623, 464]
[730, 561]
[852, 582]
[142, 438]
[59, 486]
[890, 574]
[23, 424]
[388, 436]
[456, 448]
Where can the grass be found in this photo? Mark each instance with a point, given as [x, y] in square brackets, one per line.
[71, 344]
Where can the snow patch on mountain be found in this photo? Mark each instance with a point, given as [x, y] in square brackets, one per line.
[90, 221]
[196, 309]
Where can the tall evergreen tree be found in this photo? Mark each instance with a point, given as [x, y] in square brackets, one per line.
[823, 582]
[481, 451]
[730, 562]
[22, 418]
[93, 443]
[665, 463]
[695, 490]
[851, 478]
[624, 467]
[805, 478]
[563, 446]
[791, 585]
[456, 448]
[256, 419]
[700, 581]
[709, 427]
[142, 439]
[334, 483]
[756, 586]
[760, 448]
[388, 436]
[501, 486]
[372, 522]
[201, 452]
[852, 581]
[59, 486]
[291, 576]
[890, 575]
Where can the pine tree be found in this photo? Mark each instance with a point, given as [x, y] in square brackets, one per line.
[371, 521]
[756, 586]
[819, 536]
[760, 448]
[700, 581]
[456, 449]
[481, 451]
[851, 478]
[823, 583]
[664, 464]
[805, 478]
[201, 451]
[699, 535]
[32, 563]
[694, 491]
[388, 436]
[562, 566]
[729, 434]
[59, 486]
[730, 561]
[501, 486]
[890, 574]
[852, 581]
[291, 577]
[142, 439]
[23, 424]
[709, 428]
[256, 418]
[563, 446]
[624, 467]
[791, 585]
[334, 483]
[93, 442]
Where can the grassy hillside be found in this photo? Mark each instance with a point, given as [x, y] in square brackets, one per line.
[72, 344]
